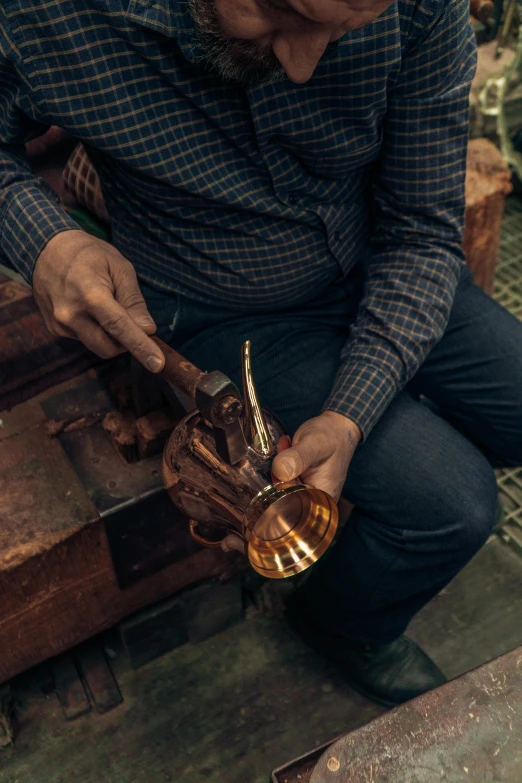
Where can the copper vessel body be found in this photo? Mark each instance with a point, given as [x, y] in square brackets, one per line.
[285, 526]
[203, 485]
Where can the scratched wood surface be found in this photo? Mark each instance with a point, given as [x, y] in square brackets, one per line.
[31, 359]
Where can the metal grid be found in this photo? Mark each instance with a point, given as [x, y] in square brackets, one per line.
[508, 291]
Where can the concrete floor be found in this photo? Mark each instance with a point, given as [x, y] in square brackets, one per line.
[231, 709]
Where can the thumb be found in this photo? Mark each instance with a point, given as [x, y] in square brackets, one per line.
[128, 294]
[309, 449]
[290, 463]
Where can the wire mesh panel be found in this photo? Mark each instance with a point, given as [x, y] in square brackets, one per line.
[508, 291]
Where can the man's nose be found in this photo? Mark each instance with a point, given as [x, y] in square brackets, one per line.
[299, 52]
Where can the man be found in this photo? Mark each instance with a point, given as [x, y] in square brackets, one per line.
[289, 171]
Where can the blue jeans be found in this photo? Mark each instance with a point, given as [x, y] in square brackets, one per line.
[423, 482]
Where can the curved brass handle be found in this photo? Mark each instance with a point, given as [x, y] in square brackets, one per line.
[199, 539]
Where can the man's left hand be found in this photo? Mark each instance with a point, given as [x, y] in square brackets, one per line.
[320, 454]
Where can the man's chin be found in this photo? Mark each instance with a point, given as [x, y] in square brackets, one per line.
[247, 74]
[234, 60]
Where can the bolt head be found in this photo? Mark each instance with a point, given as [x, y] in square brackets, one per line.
[333, 764]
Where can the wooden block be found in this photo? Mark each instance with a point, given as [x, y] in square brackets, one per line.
[153, 431]
[121, 429]
[38, 623]
[69, 688]
[31, 359]
[154, 632]
[213, 608]
[488, 181]
[45, 676]
[146, 537]
[42, 500]
[6, 716]
[98, 677]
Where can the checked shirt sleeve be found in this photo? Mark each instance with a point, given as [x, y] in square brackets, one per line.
[29, 213]
[418, 206]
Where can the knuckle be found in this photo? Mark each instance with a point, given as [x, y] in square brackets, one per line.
[132, 300]
[115, 324]
[63, 314]
[91, 298]
[135, 345]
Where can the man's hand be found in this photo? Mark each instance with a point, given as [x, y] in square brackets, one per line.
[86, 289]
[320, 455]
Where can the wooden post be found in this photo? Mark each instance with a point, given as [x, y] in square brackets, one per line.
[488, 182]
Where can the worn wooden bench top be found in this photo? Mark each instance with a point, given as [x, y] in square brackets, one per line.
[58, 583]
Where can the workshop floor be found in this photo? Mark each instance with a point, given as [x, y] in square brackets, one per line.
[231, 709]
[234, 707]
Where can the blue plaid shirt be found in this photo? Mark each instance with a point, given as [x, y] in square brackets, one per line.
[261, 197]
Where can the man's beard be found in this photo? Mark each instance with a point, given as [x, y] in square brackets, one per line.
[233, 59]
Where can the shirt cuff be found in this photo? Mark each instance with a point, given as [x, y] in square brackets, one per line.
[30, 219]
[362, 394]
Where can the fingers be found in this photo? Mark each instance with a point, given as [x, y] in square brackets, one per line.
[129, 296]
[233, 543]
[86, 289]
[284, 443]
[83, 328]
[107, 329]
[122, 328]
[309, 449]
[290, 466]
[95, 339]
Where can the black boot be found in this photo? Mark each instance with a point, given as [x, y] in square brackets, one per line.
[388, 674]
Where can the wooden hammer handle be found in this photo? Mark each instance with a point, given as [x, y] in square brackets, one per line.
[178, 371]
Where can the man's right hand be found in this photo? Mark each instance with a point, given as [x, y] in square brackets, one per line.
[86, 289]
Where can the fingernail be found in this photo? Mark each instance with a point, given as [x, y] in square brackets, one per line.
[145, 320]
[286, 466]
[154, 363]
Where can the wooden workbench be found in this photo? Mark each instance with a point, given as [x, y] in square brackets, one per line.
[62, 499]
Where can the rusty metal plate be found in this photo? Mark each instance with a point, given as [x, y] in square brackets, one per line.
[144, 529]
[110, 483]
[468, 730]
[87, 397]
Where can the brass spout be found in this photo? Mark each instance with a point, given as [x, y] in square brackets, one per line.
[255, 428]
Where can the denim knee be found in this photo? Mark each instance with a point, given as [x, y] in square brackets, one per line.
[472, 514]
